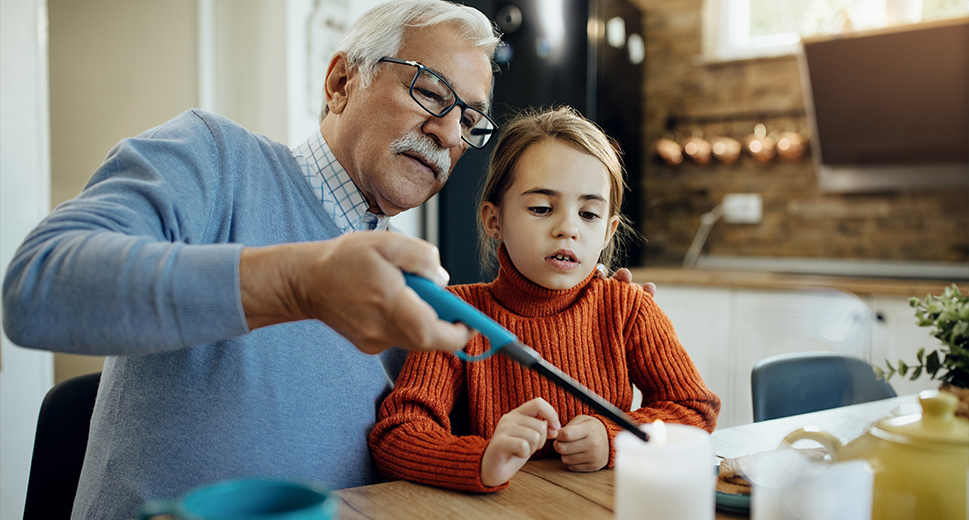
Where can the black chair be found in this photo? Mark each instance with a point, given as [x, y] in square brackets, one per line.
[59, 445]
[792, 384]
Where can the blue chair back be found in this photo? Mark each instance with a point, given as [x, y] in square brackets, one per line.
[791, 384]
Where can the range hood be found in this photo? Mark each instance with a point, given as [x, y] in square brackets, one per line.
[889, 108]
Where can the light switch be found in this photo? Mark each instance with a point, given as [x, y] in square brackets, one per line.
[742, 208]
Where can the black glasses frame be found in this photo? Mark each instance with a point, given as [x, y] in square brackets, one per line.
[458, 102]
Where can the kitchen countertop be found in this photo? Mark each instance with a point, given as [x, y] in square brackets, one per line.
[738, 279]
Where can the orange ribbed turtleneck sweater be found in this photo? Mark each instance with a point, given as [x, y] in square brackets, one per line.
[608, 335]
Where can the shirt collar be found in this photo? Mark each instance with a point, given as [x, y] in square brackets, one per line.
[332, 184]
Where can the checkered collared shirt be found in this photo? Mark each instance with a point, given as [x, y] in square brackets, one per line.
[333, 186]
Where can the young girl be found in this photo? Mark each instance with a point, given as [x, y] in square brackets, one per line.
[549, 212]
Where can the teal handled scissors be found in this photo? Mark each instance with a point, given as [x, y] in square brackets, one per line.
[453, 309]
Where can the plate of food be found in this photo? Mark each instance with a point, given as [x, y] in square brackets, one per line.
[733, 490]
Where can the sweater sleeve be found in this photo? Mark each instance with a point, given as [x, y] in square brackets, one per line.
[412, 439]
[119, 269]
[660, 367]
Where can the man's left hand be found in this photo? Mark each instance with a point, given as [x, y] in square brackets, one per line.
[624, 275]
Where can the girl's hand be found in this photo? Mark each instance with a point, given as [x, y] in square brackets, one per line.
[519, 434]
[583, 444]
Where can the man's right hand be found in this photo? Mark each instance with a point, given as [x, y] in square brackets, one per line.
[354, 284]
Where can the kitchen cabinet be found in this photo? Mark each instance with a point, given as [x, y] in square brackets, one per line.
[727, 330]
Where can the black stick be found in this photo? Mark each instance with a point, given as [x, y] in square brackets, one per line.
[528, 358]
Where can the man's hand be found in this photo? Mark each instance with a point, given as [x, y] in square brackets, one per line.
[624, 275]
[519, 434]
[354, 284]
[583, 444]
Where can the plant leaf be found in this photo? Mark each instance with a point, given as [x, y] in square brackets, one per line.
[916, 373]
[920, 354]
[879, 373]
[932, 363]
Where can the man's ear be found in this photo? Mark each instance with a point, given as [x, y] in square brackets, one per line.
[336, 87]
[490, 220]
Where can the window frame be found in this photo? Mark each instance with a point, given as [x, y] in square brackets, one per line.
[726, 34]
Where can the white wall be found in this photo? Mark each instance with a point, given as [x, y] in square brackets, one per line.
[242, 75]
[117, 68]
[25, 375]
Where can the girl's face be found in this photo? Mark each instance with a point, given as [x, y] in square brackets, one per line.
[554, 219]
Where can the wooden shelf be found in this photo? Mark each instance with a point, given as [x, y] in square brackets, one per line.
[770, 280]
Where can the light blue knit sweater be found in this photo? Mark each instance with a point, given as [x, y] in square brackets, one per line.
[143, 266]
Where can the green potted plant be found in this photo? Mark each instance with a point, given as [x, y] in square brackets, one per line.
[948, 315]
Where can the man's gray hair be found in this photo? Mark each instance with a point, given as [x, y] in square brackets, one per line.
[380, 32]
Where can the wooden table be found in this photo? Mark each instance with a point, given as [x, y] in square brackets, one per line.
[545, 489]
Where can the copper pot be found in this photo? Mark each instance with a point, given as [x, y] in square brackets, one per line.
[698, 149]
[669, 150]
[725, 149]
[790, 145]
[759, 145]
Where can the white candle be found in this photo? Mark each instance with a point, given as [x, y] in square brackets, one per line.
[669, 478]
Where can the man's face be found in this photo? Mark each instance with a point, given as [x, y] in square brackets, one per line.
[387, 142]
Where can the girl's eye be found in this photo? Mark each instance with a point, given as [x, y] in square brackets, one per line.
[588, 215]
[540, 210]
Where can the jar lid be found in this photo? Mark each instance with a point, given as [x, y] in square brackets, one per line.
[937, 424]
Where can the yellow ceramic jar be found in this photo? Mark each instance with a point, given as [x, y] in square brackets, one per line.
[920, 461]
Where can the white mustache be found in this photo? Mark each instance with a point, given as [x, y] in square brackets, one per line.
[424, 147]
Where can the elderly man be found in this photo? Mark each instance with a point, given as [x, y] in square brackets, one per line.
[196, 235]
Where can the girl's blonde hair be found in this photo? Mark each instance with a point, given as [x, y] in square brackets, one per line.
[567, 126]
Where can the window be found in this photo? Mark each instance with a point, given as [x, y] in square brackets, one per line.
[743, 29]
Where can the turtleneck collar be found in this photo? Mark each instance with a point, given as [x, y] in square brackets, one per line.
[525, 297]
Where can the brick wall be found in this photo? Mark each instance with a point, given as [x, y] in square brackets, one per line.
[798, 219]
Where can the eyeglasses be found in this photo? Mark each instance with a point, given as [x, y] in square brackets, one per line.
[435, 96]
